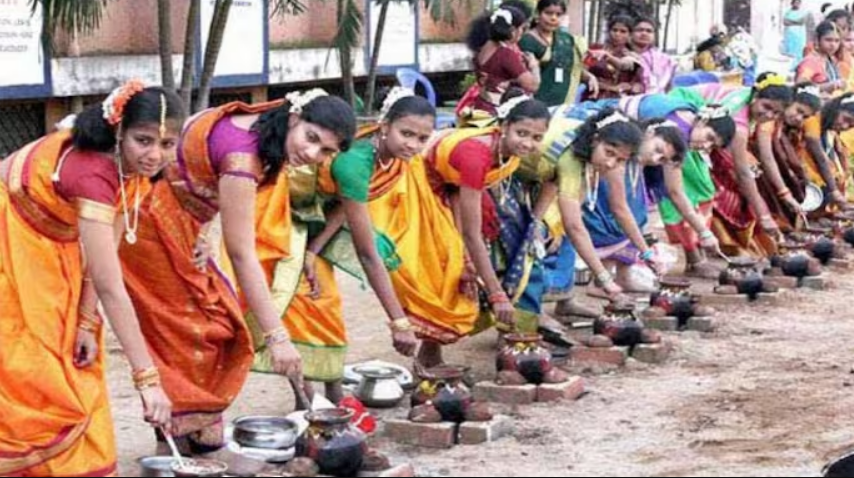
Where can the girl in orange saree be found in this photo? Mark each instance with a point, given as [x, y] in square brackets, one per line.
[60, 196]
[189, 309]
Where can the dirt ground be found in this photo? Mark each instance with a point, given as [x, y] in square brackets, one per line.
[768, 394]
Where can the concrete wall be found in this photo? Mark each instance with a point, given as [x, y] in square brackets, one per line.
[130, 28]
[97, 75]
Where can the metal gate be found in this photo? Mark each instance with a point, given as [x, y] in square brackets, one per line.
[20, 123]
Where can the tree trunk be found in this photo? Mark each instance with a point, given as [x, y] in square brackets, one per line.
[346, 58]
[218, 24]
[164, 24]
[375, 57]
[593, 21]
[601, 23]
[188, 74]
[656, 4]
[667, 23]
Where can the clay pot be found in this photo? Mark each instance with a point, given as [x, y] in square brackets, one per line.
[794, 260]
[821, 244]
[620, 324]
[523, 353]
[744, 273]
[443, 388]
[333, 442]
[675, 299]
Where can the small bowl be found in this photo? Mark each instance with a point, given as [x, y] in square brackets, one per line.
[199, 468]
[154, 466]
[814, 198]
[266, 432]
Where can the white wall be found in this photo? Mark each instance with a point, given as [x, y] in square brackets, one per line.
[766, 18]
[692, 22]
[99, 75]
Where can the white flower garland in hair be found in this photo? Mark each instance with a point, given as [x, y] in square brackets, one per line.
[396, 94]
[67, 123]
[713, 112]
[613, 118]
[811, 90]
[113, 107]
[503, 111]
[299, 100]
[507, 15]
[664, 124]
[847, 101]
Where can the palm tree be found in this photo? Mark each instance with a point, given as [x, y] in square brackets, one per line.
[73, 16]
[188, 72]
[440, 10]
[370, 96]
[217, 32]
[84, 16]
[164, 25]
[346, 39]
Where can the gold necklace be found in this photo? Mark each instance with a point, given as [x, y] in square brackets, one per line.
[131, 226]
[385, 167]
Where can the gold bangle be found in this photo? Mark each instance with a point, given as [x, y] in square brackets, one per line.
[89, 322]
[401, 325]
[145, 379]
[143, 386]
[276, 336]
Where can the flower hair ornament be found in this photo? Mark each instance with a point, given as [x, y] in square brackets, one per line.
[299, 100]
[772, 80]
[847, 100]
[115, 104]
[396, 94]
[613, 118]
[811, 90]
[664, 124]
[507, 15]
[713, 112]
[504, 110]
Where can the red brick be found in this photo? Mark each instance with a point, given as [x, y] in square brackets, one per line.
[652, 353]
[702, 324]
[718, 300]
[814, 283]
[841, 264]
[427, 435]
[612, 356]
[507, 395]
[488, 432]
[663, 324]
[571, 390]
[783, 282]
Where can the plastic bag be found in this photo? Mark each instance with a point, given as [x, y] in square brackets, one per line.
[667, 256]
